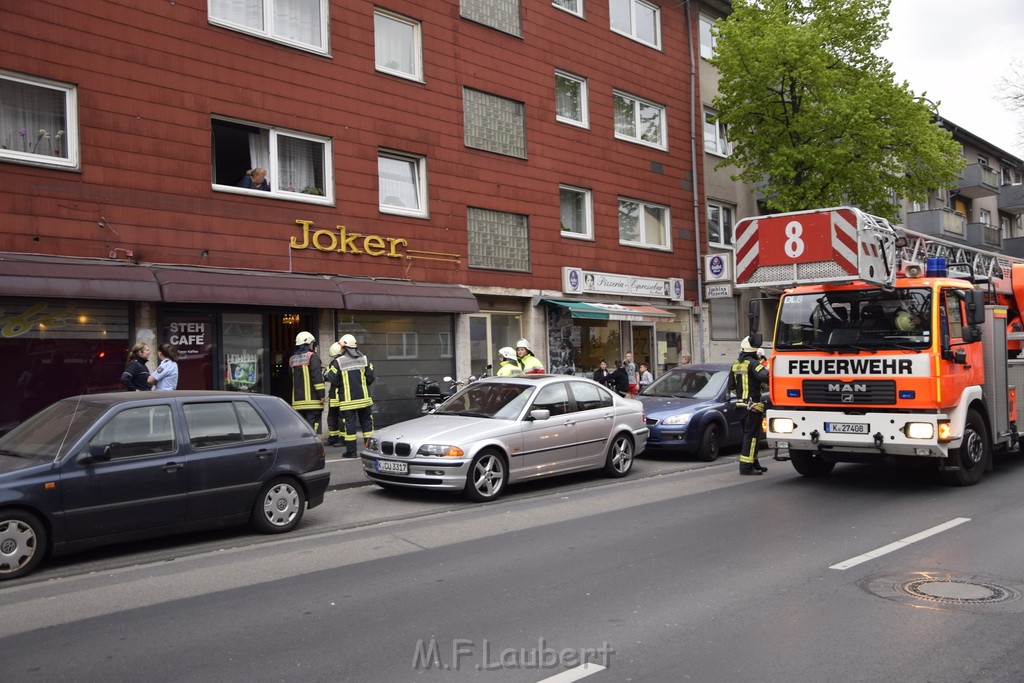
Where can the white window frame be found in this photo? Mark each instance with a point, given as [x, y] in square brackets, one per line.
[274, 171]
[578, 12]
[37, 140]
[418, 164]
[721, 209]
[588, 213]
[584, 120]
[267, 32]
[707, 37]
[416, 48]
[716, 138]
[631, 33]
[408, 341]
[637, 124]
[642, 213]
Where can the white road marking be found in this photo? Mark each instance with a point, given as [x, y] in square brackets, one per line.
[575, 674]
[854, 561]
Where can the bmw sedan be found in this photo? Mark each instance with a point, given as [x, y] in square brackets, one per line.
[688, 411]
[106, 468]
[500, 430]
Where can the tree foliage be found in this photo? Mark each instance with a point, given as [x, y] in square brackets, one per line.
[1012, 89]
[814, 113]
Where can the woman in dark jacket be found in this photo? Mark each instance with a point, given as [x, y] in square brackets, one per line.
[136, 375]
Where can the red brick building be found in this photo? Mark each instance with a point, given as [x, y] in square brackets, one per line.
[444, 178]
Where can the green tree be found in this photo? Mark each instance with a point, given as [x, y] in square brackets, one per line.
[815, 113]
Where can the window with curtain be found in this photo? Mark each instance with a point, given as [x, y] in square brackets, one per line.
[642, 224]
[302, 23]
[296, 163]
[401, 183]
[38, 121]
[639, 121]
[571, 99]
[397, 45]
[719, 224]
[576, 213]
[571, 6]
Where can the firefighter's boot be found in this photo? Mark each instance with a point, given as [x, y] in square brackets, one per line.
[759, 467]
[747, 468]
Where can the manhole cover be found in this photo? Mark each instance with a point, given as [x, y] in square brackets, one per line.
[948, 591]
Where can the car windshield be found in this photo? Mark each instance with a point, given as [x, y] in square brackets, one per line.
[688, 383]
[51, 432]
[858, 319]
[491, 399]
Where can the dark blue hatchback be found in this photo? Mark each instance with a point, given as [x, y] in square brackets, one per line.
[106, 468]
[688, 411]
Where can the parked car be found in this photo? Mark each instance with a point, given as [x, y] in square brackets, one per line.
[500, 430]
[106, 468]
[688, 411]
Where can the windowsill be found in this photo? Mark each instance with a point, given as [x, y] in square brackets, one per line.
[40, 161]
[572, 122]
[394, 211]
[280, 196]
[569, 11]
[321, 51]
[577, 236]
[650, 247]
[643, 143]
[637, 40]
[716, 245]
[400, 74]
[716, 154]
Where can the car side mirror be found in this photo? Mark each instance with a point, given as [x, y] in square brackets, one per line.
[97, 453]
[539, 414]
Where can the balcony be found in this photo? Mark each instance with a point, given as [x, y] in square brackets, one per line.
[978, 181]
[984, 236]
[1011, 198]
[942, 223]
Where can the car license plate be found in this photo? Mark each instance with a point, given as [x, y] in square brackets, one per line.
[846, 427]
[392, 467]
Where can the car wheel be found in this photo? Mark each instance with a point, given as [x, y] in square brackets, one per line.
[710, 443]
[487, 477]
[279, 506]
[972, 456]
[620, 457]
[22, 543]
[810, 464]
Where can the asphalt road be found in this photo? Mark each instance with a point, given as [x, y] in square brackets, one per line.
[688, 573]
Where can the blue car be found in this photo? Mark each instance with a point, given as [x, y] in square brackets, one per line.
[688, 411]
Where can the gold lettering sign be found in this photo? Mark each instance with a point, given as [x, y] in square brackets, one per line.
[342, 241]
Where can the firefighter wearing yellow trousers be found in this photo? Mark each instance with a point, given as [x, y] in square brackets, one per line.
[748, 377]
[350, 376]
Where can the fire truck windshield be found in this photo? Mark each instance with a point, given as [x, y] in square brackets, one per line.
[864, 319]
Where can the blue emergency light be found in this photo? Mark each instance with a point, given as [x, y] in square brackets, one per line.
[935, 267]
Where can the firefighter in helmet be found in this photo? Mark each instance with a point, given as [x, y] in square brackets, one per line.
[307, 380]
[335, 427]
[349, 377]
[509, 366]
[530, 364]
[747, 378]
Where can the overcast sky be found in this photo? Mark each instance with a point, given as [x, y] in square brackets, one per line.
[957, 51]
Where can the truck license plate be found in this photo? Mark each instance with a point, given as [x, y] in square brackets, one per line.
[392, 467]
[846, 427]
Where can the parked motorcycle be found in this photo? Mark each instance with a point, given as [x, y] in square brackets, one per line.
[434, 393]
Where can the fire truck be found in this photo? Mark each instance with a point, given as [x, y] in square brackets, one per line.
[889, 345]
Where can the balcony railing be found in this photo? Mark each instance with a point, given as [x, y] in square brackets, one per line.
[984, 235]
[944, 223]
[1011, 198]
[978, 181]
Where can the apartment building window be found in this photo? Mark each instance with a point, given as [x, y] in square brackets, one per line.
[715, 139]
[983, 160]
[637, 19]
[707, 38]
[577, 214]
[570, 6]
[719, 225]
[402, 180]
[398, 45]
[642, 224]
[639, 121]
[1005, 228]
[495, 124]
[301, 23]
[296, 163]
[38, 121]
[502, 15]
[498, 240]
[571, 99]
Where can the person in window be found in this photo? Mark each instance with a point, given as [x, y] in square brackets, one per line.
[165, 378]
[136, 375]
[256, 179]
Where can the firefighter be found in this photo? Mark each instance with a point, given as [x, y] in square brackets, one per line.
[335, 427]
[530, 364]
[307, 380]
[350, 376]
[509, 363]
[746, 380]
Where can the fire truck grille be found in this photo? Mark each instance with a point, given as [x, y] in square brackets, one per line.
[868, 392]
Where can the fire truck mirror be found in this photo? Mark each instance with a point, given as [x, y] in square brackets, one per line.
[754, 317]
[974, 302]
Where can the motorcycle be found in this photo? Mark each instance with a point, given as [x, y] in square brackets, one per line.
[434, 393]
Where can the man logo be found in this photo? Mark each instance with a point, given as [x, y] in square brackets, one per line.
[849, 387]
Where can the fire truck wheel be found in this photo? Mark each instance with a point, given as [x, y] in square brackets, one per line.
[710, 443]
[810, 464]
[972, 456]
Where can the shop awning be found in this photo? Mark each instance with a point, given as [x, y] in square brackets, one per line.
[368, 294]
[75, 278]
[253, 288]
[605, 311]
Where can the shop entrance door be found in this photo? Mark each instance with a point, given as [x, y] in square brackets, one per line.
[283, 327]
[643, 345]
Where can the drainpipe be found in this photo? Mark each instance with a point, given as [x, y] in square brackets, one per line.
[698, 353]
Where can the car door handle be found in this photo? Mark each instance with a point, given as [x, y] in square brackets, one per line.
[263, 453]
[174, 466]
[570, 423]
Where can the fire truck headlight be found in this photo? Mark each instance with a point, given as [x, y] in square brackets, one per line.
[919, 430]
[781, 425]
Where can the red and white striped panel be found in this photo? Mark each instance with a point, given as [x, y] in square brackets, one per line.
[747, 249]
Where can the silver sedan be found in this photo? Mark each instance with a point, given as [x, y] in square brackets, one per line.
[501, 430]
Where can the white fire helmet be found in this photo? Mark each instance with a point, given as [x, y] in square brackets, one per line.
[304, 338]
[524, 344]
[761, 353]
[746, 346]
[507, 352]
[348, 341]
[335, 349]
